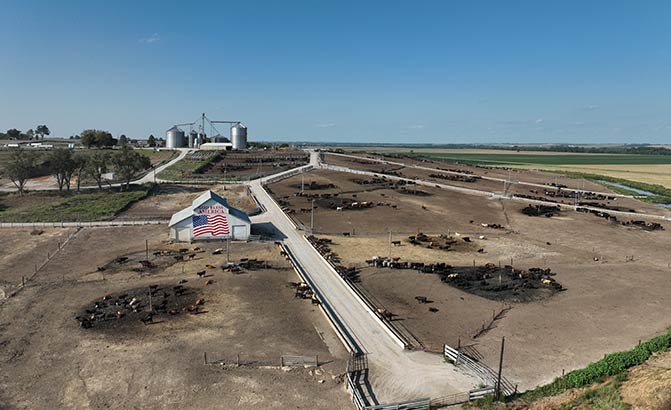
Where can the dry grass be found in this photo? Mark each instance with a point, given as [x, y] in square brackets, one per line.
[649, 385]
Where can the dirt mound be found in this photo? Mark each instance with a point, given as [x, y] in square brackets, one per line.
[132, 308]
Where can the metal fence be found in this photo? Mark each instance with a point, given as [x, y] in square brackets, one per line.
[461, 359]
[300, 361]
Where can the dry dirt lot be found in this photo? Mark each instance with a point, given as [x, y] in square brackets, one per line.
[167, 199]
[609, 303]
[48, 361]
[518, 176]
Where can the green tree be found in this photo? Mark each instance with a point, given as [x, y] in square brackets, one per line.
[30, 134]
[42, 130]
[62, 165]
[123, 140]
[13, 134]
[97, 138]
[128, 164]
[151, 141]
[20, 167]
[97, 165]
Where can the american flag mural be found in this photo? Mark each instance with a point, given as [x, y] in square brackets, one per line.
[214, 225]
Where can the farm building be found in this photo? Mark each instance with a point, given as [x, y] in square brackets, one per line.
[209, 217]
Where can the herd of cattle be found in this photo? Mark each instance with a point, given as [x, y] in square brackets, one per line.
[142, 304]
[650, 226]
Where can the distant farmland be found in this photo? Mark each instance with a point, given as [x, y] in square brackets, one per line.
[548, 159]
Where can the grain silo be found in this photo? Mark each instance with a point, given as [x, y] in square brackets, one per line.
[239, 136]
[174, 138]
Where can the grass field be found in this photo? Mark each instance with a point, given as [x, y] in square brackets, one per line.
[185, 169]
[42, 206]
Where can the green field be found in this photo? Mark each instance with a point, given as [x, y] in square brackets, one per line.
[547, 159]
[43, 206]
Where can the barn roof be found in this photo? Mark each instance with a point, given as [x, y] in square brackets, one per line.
[204, 197]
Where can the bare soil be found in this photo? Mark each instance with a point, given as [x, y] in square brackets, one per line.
[615, 276]
[166, 199]
[48, 360]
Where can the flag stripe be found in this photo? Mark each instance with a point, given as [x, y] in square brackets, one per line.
[213, 225]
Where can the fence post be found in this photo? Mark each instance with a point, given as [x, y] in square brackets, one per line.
[281, 361]
[205, 357]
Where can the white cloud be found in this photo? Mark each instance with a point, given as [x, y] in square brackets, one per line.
[154, 38]
[326, 125]
[539, 120]
[416, 127]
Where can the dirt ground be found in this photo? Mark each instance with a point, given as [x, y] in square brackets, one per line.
[616, 277]
[167, 199]
[255, 164]
[48, 361]
[21, 251]
[518, 177]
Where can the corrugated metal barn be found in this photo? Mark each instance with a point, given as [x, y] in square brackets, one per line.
[208, 218]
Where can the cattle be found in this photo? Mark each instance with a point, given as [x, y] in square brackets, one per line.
[147, 319]
[208, 266]
[200, 302]
[191, 255]
[209, 282]
[396, 243]
[201, 273]
[433, 309]
[421, 299]
[100, 268]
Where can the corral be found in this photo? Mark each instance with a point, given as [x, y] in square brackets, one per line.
[605, 282]
[234, 165]
[249, 318]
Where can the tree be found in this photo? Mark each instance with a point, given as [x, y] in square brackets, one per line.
[151, 141]
[20, 167]
[97, 166]
[123, 140]
[81, 164]
[97, 138]
[13, 134]
[30, 134]
[129, 163]
[62, 165]
[42, 130]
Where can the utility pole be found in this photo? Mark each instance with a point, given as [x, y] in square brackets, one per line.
[312, 217]
[498, 380]
[302, 182]
[146, 249]
[228, 250]
[389, 244]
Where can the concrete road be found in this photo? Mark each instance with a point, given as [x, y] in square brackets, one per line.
[396, 374]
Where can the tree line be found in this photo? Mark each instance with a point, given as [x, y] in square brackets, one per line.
[90, 138]
[38, 133]
[66, 165]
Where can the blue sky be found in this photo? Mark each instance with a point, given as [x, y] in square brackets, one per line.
[360, 71]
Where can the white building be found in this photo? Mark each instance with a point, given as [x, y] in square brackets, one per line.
[209, 218]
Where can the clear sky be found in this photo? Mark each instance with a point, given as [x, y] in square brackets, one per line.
[344, 71]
